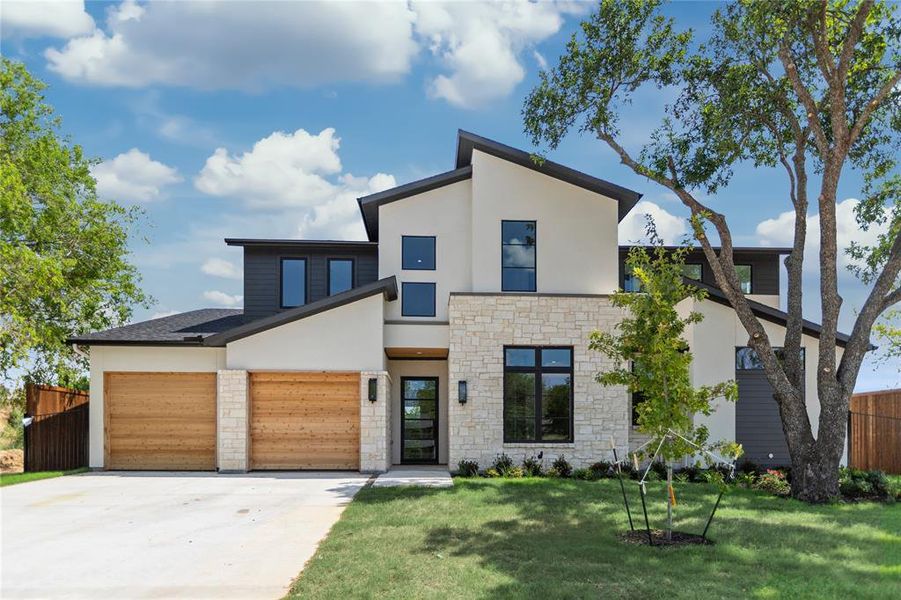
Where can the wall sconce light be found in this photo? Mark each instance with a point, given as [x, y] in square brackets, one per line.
[461, 391]
[373, 389]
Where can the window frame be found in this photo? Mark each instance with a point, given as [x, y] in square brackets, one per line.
[434, 239]
[538, 370]
[533, 268]
[281, 280]
[328, 273]
[750, 277]
[403, 296]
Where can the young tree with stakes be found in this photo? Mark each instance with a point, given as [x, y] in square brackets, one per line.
[653, 358]
[811, 87]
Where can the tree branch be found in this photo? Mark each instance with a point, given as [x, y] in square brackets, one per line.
[871, 106]
[813, 117]
[854, 33]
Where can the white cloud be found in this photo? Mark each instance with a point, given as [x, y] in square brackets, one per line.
[780, 231]
[298, 171]
[37, 18]
[223, 299]
[670, 227]
[219, 267]
[242, 45]
[163, 313]
[133, 177]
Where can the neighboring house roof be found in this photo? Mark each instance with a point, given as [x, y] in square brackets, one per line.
[738, 249]
[387, 287]
[466, 143]
[184, 329]
[318, 244]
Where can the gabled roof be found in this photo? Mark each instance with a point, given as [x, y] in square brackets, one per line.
[387, 287]
[466, 143]
[184, 329]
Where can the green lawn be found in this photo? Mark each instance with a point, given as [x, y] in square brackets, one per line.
[545, 538]
[14, 478]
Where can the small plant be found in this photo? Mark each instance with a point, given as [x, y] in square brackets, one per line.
[531, 466]
[468, 468]
[492, 473]
[746, 480]
[602, 469]
[750, 467]
[774, 482]
[561, 467]
[502, 463]
[855, 483]
[658, 467]
[514, 473]
[584, 474]
[681, 477]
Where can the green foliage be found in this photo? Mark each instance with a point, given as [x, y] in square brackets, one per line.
[774, 482]
[653, 355]
[64, 266]
[873, 485]
[561, 467]
[502, 463]
[492, 472]
[531, 466]
[12, 404]
[468, 468]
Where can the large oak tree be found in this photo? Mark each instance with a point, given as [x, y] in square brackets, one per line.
[811, 87]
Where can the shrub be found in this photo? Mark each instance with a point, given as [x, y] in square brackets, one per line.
[492, 473]
[531, 466]
[502, 463]
[681, 477]
[584, 474]
[659, 469]
[561, 467]
[855, 483]
[774, 482]
[602, 468]
[750, 468]
[746, 480]
[514, 473]
[692, 473]
[468, 468]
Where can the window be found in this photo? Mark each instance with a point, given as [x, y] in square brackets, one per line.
[418, 300]
[538, 394]
[747, 360]
[744, 277]
[518, 256]
[631, 283]
[693, 271]
[418, 252]
[340, 275]
[294, 282]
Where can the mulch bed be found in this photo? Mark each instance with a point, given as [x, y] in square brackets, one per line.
[680, 538]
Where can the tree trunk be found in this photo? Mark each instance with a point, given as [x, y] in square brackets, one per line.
[815, 478]
[669, 502]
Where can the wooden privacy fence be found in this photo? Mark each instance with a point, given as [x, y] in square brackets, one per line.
[57, 438]
[875, 431]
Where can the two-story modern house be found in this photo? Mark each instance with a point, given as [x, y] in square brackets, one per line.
[459, 329]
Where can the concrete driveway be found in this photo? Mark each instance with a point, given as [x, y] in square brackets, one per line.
[165, 535]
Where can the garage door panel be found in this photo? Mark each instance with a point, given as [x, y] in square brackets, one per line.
[305, 420]
[160, 421]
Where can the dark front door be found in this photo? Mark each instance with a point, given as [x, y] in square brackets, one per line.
[419, 420]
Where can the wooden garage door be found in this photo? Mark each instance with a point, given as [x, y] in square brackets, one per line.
[305, 421]
[160, 421]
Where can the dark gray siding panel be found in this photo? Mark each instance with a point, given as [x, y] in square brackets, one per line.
[262, 272]
[758, 427]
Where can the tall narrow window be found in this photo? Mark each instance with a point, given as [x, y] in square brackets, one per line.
[518, 243]
[631, 283]
[538, 394]
[340, 275]
[294, 282]
[744, 277]
[418, 252]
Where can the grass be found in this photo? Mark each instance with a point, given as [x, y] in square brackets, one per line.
[14, 478]
[546, 538]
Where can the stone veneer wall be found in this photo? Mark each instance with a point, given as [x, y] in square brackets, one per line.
[375, 424]
[481, 325]
[232, 436]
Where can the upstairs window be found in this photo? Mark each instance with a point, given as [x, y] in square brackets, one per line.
[294, 282]
[340, 275]
[418, 252]
[631, 283]
[518, 241]
[693, 271]
[744, 277]
[417, 300]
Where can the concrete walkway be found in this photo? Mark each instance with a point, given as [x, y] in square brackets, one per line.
[165, 535]
[421, 476]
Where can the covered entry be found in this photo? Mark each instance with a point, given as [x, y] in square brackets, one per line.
[305, 420]
[160, 421]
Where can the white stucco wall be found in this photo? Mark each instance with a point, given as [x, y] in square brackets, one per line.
[347, 338]
[418, 368]
[577, 248]
[444, 213]
[416, 335]
[140, 358]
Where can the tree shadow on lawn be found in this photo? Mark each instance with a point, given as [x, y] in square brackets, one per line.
[560, 539]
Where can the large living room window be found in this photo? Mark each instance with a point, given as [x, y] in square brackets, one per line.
[294, 282]
[518, 240]
[538, 394]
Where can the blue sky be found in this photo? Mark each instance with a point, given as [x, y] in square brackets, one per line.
[267, 120]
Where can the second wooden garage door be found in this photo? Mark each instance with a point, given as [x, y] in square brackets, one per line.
[305, 421]
[160, 421]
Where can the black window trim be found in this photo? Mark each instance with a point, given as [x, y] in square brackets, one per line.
[750, 276]
[535, 245]
[328, 272]
[434, 239]
[538, 370]
[281, 280]
[403, 295]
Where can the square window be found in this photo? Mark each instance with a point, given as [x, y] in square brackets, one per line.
[418, 253]
[340, 275]
[294, 282]
[693, 271]
[518, 244]
[418, 299]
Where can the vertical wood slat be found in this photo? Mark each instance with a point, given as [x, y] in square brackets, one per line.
[875, 431]
[57, 438]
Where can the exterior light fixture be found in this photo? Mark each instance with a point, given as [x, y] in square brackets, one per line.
[373, 389]
[461, 391]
